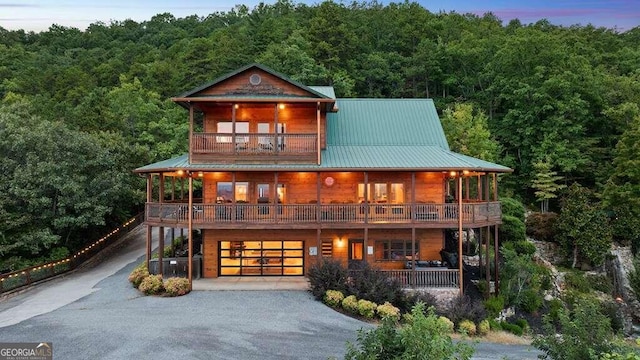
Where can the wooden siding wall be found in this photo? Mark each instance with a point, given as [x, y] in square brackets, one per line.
[241, 82]
[301, 186]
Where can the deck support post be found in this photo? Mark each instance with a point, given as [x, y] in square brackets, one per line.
[190, 215]
[460, 260]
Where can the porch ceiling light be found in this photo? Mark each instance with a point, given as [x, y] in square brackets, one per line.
[180, 172]
[200, 174]
[281, 106]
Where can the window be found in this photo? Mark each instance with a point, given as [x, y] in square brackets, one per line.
[383, 193]
[225, 192]
[393, 249]
[226, 127]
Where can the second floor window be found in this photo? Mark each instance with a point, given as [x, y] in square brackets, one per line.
[226, 127]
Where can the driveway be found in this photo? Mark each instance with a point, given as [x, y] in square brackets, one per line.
[96, 314]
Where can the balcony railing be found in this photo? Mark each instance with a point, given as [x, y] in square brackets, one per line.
[427, 277]
[445, 214]
[254, 144]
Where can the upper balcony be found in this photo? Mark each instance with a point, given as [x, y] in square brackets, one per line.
[242, 215]
[248, 147]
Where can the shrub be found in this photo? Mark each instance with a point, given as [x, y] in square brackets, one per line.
[446, 324]
[530, 301]
[138, 274]
[367, 283]
[387, 310]
[423, 338]
[176, 286]
[367, 308]
[495, 324]
[540, 226]
[484, 327]
[555, 306]
[523, 324]
[512, 328]
[333, 298]
[151, 285]
[412, 298]
[463, 307]
[327, 274]
[467, 327]
[512, 229]
[577, 281]
[601, 283]
[524, 247]
[493, 305]
[585, 331]
[512, 207]
[350, 303]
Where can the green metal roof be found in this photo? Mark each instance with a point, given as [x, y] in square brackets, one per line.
[350, 157]
[327, 91]
[385, 122]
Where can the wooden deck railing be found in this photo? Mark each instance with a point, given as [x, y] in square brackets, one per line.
[177, 213]
[30, 275]
[426, 277]
[254, 144]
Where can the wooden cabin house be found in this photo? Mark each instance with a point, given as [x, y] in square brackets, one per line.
[280, 174]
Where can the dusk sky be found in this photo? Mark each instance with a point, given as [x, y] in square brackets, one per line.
[38, 15]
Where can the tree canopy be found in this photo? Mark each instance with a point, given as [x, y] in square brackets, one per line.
[526, 93]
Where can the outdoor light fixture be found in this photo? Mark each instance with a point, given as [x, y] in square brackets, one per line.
[236, 106]
[453, 174]
[200, 174]
[281, 106]
[180, 172]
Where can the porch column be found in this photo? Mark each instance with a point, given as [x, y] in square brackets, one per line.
[275, 128]
[160, 229]
[413, 198]
[233, 127]
[318, 186]
[413, 256]
[366, 197]
[487, 197]
[495, 238]
[149, 228]
[275, 198]
[318, 144]
[190, 216]
[234, 209]
[190, 131]
[365, 243]
[460, 233]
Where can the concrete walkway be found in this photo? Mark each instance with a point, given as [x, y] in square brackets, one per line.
[299, 283]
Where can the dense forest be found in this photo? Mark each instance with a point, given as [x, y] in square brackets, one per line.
[80, 109]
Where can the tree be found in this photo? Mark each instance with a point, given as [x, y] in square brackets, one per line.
[468, 133]
[545, 184]
[622, 191]
[582, 227]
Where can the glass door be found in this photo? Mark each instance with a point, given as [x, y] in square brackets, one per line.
[262, 258]
[356, 253]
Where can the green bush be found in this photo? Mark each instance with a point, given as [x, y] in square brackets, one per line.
[585, 332]
[151, 285]
[176, 286]
[327, 274]
[387, 310]
[512, 328]
[530, 301]
[333, 298]
[467, 327]
[350, 304]
[522, 247]
[512, 207]
[555, 306]
[138, 274]
[601, 282]
[484, 327]
[540, 226]
[575, 280]
[423, 338]
[493, 305]
[367, 308]
[495, 324]
[447, 324]
[522, 323]
[512, 229]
